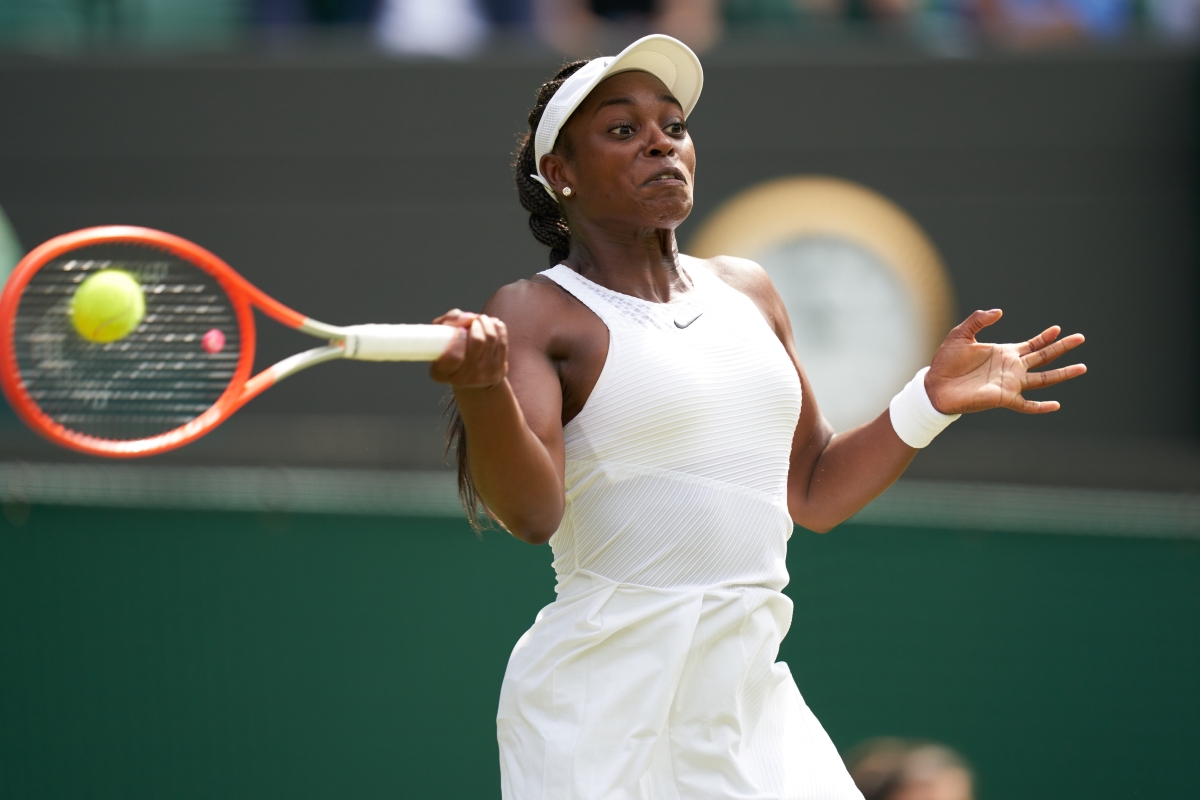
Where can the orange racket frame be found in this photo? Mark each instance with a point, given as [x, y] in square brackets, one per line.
[362, 342]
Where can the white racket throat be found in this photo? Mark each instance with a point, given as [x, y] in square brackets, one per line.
[369, 342]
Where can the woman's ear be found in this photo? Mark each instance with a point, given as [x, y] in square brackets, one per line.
[557, 172]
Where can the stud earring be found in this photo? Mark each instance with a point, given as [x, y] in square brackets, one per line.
[566, 191]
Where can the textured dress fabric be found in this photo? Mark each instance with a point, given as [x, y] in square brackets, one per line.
[653, 674]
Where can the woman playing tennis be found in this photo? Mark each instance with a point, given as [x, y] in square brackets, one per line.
[645, 412]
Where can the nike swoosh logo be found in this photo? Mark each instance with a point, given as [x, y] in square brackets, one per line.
[682, 325]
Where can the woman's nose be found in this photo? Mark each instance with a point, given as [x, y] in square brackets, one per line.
[660, 144]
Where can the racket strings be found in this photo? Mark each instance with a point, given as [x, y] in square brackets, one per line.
[154, 380]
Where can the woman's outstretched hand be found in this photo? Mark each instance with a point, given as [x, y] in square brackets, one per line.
[477, 358]
[967, 375]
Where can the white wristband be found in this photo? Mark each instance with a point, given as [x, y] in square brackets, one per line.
[914, 418]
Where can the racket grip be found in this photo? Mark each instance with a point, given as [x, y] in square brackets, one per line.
[397, 342]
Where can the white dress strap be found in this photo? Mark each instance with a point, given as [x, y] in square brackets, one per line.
[624, 311]
[592, 295]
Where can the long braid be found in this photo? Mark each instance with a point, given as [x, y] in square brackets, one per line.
[549, 226]
[546, 218]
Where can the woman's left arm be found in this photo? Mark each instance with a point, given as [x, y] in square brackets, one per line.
[832, 476]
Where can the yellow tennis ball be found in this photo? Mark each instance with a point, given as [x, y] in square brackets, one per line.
[108, 306]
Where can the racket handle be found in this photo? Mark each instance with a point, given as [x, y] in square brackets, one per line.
[397, 342]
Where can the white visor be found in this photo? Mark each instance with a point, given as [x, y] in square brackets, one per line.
[668, 59]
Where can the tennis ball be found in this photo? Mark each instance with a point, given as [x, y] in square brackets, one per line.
[108, 306]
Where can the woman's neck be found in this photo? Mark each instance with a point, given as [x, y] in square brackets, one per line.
[643, 264]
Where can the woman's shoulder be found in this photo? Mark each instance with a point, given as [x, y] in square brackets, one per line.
[747, 276]
[534, 295]
[540, 307]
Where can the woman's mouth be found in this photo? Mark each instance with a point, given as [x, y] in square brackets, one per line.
[666, 177]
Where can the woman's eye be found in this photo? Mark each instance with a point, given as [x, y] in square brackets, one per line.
[675, 129]
[623, 130]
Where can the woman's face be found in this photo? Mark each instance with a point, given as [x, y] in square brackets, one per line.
[627, 156]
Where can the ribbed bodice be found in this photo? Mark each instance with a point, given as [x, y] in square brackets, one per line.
[676, 468]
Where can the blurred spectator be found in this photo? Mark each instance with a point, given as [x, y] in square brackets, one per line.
[1103, 19]
[448, 28]
[587, 27]
[829, 15]
[1034, 23]
[271, 13]
[1027, 23]
[904, 769]
[512, 14]
[457, 28]
[1177, 19]
[122, 24]
[780, 15]
[886, 12]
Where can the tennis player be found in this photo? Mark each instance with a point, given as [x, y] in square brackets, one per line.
[646, 414]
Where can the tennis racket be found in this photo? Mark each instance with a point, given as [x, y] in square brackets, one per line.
[187, 366]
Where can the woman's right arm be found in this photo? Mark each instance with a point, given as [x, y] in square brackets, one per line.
[509, 395]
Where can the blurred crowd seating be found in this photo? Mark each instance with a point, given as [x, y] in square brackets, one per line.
[460, 28]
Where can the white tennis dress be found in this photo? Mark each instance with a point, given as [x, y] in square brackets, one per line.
[653, 675]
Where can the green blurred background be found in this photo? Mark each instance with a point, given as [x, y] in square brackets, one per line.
[161, 654]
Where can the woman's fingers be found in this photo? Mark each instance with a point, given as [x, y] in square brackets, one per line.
[972, 325]
[456, 317]
[494, 340]
[1045, 354]
[1038, 342]
[477, 357]
[484, 333]
[489, 327]
[449, 362]
[444, 368]
[497, 338]
[1035, 407]
[478, 334]
[1040, 380]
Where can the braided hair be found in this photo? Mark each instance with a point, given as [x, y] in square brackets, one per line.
[546, 218]
[549, 226]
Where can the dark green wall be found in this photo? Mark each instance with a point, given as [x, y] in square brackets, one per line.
[156, 654]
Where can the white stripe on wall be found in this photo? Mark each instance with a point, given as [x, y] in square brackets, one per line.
[336, 491]
[1031, 509]
[917, 503]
